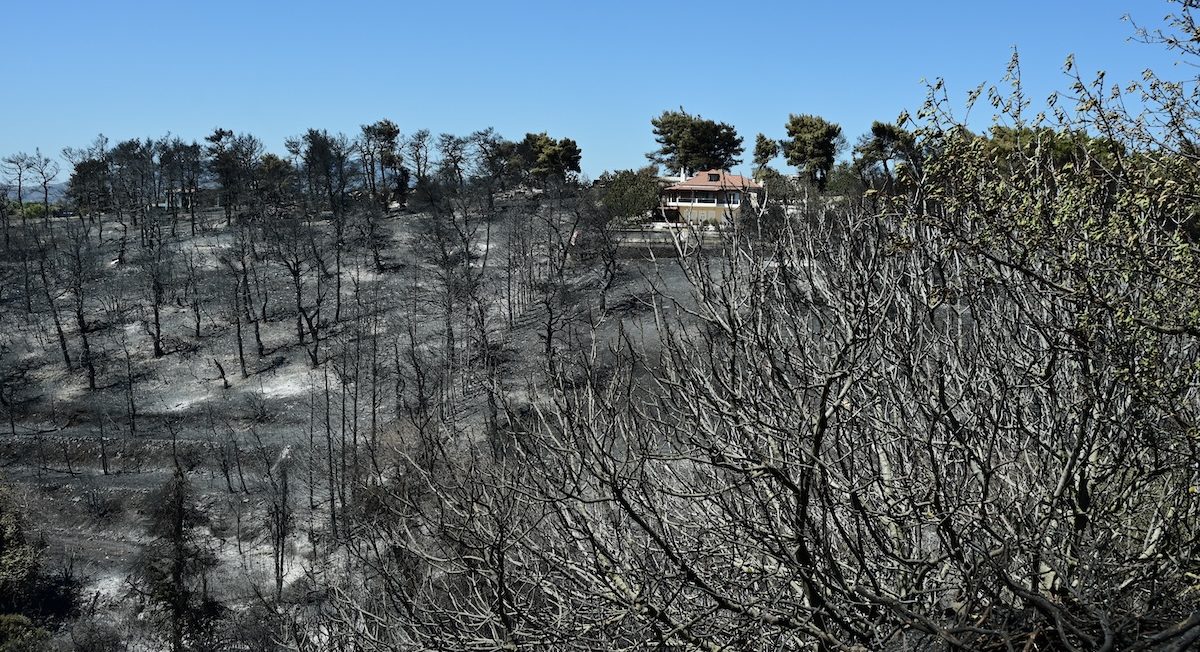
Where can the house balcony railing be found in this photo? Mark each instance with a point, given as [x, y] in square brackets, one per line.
[696, 201]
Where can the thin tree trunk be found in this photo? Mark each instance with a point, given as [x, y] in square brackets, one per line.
[85, 346]
[237, 320]
[131, 406]
[158, 350]
[330, 460]
[62, 338]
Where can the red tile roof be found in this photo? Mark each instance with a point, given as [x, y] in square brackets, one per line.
[724, 181]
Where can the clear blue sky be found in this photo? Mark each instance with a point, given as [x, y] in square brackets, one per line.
[594, 71]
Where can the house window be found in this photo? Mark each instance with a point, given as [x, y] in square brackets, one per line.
[733, 198]
[714, 177]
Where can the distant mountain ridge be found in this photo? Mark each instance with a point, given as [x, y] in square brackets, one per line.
[34, 192]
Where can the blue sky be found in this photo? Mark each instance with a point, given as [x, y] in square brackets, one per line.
[593, 71]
